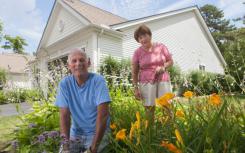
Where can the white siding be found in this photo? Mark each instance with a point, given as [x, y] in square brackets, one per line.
[110, 46]
[71, 24]
[185, 39]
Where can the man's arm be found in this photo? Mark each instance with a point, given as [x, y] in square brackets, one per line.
[101, 120]
[65, 122]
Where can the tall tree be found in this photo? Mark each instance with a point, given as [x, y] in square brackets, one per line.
[215, 20]
[230, 40]
[235, 56]
[16, 43]
[217, 24]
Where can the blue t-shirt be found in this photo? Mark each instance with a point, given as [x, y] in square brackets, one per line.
[82, 102]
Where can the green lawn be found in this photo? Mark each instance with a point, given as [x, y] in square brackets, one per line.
[7, 125]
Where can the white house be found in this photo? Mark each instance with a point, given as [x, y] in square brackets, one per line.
[74, 23]
[17, 69]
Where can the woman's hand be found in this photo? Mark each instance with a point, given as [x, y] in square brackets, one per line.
[160, 70]
[137, 93]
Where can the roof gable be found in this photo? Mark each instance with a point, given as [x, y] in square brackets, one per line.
[93, 14]
[64, 24]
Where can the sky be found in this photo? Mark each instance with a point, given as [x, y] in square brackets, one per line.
[28, 18]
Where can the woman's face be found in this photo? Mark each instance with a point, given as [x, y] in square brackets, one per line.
[145, 40]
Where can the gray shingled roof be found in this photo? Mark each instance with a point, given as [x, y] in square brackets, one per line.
[93, 14]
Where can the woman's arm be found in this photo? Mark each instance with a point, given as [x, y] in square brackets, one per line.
[135, 76]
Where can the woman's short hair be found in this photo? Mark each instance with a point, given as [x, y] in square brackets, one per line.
[141, 30]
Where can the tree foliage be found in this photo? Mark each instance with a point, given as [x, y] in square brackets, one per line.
[230, 40]
[16, 43]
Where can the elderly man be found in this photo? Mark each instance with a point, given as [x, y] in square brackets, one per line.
[84, 97]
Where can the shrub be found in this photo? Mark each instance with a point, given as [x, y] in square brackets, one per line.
[22, 95]
[176, 77]
[116, 72]
[3, 99]
[2, 78]
[227, 83]
[205, 83]
[33, 95]
[16, 96]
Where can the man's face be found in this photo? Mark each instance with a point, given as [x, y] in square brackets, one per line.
[78, 64]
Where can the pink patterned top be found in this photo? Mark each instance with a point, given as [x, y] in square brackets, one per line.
[148, 61]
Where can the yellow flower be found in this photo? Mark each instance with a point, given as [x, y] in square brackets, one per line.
[113, 126]
[121, 135]
[180, 113]
[138, 116]
[168, 96]
[178, 136]
[131, 131]
[162, 102]
[188, 94]
[214, 99]
[171, 147]
[137, 123]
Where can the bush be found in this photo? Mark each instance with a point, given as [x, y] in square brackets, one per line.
[21, 95]
[227, 83]
[33, 95]
[176, 77]
[205, 83]
[2, 78]
[116, 72]
[3, 99]
[16, 96]
[38, 130]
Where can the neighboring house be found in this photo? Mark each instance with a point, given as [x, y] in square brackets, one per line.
[17, 69]
[74, 23]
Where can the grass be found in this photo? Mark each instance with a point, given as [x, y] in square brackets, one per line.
[7, 126]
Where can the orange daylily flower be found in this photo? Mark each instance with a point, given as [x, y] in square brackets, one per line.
[171, 147]
[164, 100]
[188, 94]
[178, 136]
[131, 131]
[215, 99]
[137, 123]
[168, 96]
[113, 126]
[180, 113]
[121, 135]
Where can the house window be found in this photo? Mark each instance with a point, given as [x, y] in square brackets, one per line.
[202, 67]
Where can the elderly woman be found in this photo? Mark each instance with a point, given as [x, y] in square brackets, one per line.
[149, 70]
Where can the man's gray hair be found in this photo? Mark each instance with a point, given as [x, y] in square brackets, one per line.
[74, 51]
